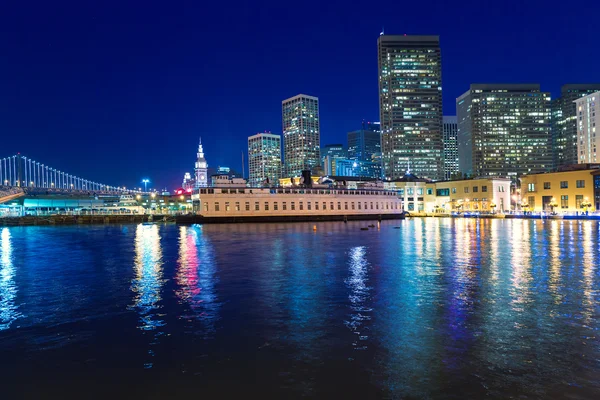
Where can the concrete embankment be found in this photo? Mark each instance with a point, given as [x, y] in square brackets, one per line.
[180, 219]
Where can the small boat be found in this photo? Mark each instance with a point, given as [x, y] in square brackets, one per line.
[364, 229]
[371, 226]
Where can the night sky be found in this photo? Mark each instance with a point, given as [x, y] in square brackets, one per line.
[119, 91]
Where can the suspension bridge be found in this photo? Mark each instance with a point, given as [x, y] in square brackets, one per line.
[20, 175]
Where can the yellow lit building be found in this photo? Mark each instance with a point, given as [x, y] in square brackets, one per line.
[466, 195]
[564, 191]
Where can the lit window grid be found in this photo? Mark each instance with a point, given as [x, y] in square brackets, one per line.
[410, 110]
[301, 134]
[264, 159]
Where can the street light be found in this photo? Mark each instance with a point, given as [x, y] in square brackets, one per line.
[145, 181]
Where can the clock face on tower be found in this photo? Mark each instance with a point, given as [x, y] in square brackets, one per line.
[201, 177]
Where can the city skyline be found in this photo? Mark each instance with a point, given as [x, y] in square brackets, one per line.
[64, 92]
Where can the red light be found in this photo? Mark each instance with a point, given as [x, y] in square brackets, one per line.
[179, 191]
[189, 190]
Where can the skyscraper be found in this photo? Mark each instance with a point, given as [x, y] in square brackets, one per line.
[410, 105]
[363, 143]
[264, 159]
[504, 130]
[200, 170]
[301, 134]
[564, 122]
[450, 147]
[588, 128]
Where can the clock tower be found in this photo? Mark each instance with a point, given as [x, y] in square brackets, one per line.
[201, 168]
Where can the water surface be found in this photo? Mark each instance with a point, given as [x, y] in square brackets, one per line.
[422, 308]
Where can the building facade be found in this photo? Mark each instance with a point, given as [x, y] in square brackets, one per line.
[264, 159]
[572, 189]
[201, 168]
[355, 168]
[301, 134]
[329, 153]
[485, 195]
[564, 123]
[450, 136]
[410, 105]
[365, 142]
[504, 130]
[588, 128]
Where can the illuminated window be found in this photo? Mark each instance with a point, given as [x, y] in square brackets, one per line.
[237, 206]
[578, 200]
[531, 187]
[564, 201]
[226, 206]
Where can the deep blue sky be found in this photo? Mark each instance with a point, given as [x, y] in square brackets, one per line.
[118, 91]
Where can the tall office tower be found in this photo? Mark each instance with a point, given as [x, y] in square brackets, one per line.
[264, 159]
[564, 122]
[588, 128]
[301, 134]
[410, 105]
[504, 130]
[450, 147]
[363, 143]
[201, 167]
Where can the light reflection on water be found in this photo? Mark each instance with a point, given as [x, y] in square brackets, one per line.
[357, 283]
[438, 308]
[148, 281]
[9, 311]
[196, 277]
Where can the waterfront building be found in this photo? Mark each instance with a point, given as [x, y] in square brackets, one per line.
[329, 153]
[264, 159]
[365, 142]
[569, 189]
[450, 134]
[564, 123]
[462, 195]
[504, 130]
[301, 134]
[200, 170]
[410, 105]
[588, 128]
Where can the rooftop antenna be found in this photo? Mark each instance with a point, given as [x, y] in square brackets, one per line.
[382, 31]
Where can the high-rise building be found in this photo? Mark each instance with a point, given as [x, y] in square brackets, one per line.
[201, 167]
[504, 130]
[365, 142]
[450, 147]
[564, 122]
[410, 105]
[301, 134]
[264, 159]
[588, 128]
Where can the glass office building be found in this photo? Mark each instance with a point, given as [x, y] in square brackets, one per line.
[410, 105]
